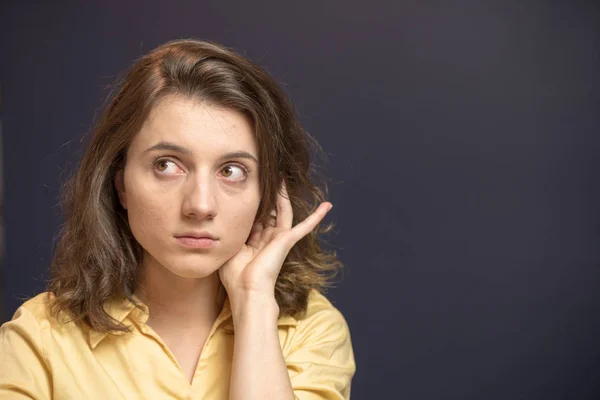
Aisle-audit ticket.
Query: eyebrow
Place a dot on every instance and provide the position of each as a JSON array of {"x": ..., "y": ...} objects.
[{"x": 179, "y": 149}]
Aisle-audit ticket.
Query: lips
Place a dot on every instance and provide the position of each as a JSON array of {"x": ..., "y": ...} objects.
[
  {"x": 197, "y": 235},
  {"x": 197, "y": 240}
]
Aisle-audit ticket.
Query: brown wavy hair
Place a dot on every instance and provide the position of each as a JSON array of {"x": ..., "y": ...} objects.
[{"x": 97, "y": 257}]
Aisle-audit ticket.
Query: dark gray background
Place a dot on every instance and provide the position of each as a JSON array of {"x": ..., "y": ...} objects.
[{"x": 463, "y": 141}]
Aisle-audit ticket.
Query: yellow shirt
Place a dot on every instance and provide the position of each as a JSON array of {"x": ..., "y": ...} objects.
[{"x": 42, "y": 359}]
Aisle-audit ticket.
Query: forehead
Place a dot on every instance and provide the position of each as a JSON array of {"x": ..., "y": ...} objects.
[{"x": 201, "y": 127}]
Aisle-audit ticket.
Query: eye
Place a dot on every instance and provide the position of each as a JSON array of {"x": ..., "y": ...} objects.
[
  {"x": 165, "y": 166},
  {"x": 234, "y": 172}
]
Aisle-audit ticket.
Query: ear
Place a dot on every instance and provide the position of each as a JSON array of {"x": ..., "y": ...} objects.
[{"x": 120, "y": 186}]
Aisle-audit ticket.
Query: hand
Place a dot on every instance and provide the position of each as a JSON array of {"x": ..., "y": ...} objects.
[{"x": 255, "y": 267}]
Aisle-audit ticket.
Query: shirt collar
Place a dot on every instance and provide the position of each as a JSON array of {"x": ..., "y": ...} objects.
[{"x": 121, "y": 309}]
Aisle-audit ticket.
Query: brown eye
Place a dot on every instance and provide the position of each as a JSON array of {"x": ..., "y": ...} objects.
[
  {"x": 234, "y": 173},
  {"x": 227, "y": 172},
  {"x": 161, "y": 164}
]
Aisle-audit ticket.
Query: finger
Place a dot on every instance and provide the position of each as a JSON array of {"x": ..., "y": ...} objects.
[
  {"x": 258, "y": 227},
  {"x": 266, "y": 236},
  {"x": 305, "y": 227},
  {"x": 272, "y": 219},
  {"x": 254, "y": 239},
  {"x": 285, "y": 213}
]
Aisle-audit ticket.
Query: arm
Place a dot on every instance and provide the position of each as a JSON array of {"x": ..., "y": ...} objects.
[
  {"x": 23, "y": 370},
  {"x": 319, "y": 364},
  {"x": 259, "y": 370}
]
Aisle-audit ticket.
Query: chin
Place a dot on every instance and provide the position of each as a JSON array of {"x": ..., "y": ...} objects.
[
  {"x": 194, "y": 271},
  {"x": 188, "y": 265}
]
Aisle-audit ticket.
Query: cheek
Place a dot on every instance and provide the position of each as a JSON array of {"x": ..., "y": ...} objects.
[
  {"x": 242, "y": 218},
  {"x": 147, "y": 215}
]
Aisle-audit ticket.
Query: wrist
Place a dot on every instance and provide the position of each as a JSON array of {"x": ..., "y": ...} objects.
[{"x": 254, "y": 305}]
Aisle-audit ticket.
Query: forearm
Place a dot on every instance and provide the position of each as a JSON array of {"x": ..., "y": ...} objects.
[{"x": 259, "y": 370}]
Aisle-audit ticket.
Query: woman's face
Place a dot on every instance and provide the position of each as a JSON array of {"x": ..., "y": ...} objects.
[{"x": 192, "y": 170}]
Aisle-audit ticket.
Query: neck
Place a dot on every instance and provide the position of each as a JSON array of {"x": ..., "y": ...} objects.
[{"x": 179, "y": 302}]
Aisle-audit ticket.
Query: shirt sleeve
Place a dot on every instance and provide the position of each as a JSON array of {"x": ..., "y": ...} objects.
[
  {"x": 321, "y": 362},
  {"x": 24, "y": 371}
]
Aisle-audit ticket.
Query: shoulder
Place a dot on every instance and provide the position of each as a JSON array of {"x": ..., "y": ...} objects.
[
  {"x": 319, "y": 307},
  {"x": 35, "y": 314},
  {"x": 24, "y": 335},
  {"x": 35, "y": 310},
  {"x": 321, "y": 321},
  {"x": 25, "y": 366},
  {"x": 320, "y": 357},
  {"x": 38, "y": 307}
]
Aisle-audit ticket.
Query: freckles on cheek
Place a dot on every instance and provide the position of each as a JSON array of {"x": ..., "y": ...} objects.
[
  {"x": 151, "y": 215},
  {"x": 242, "y": 222}
]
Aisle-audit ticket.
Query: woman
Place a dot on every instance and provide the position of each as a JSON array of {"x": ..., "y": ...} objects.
[{"x": 188, "y": 266}]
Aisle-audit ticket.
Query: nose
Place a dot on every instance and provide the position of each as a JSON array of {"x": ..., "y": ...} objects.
[{"x": 200, "y": 200}]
